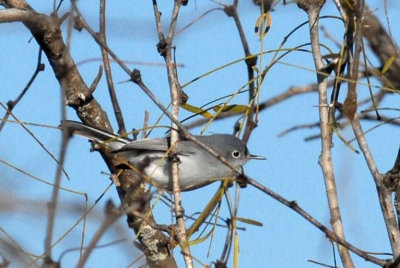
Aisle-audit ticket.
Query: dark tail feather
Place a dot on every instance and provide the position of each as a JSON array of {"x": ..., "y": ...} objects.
[{"x": 91, "y": 132}]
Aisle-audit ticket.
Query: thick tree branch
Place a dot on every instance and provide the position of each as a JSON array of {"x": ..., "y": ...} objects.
[{"x": 46, "y": 30}]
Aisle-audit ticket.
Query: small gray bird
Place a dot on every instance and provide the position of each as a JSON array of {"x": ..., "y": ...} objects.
[{"x": 197, "y": 167}]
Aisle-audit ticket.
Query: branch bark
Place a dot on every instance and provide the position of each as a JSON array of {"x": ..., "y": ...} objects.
[
  {"x": 165, "y": 49},
  {"x": 46, "y": 31},
  {"x": 313, "y": 8}
]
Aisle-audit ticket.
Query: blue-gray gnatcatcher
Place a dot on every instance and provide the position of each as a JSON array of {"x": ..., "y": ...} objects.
[{"x": 197, "y": 167}]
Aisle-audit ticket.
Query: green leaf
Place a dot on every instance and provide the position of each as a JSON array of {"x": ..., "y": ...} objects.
[
  {"x": 248, "y": 221},
  {"x": 387, "y": 64},
  {"x": 196, "y": 110},
  {"x": 236, "y": 250},
  {"x": 233, "y": 109},
  {"x": 201, "y": 239},
  {"x": 206, "y": 211}
]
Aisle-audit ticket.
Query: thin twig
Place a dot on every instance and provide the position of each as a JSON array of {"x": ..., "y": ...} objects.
[
  {"x": 231, "y": 11},
  {"x": 22, "y": 124},
  {"x": 111, "y": 215},
  {"x": 196, "y": 20},
  {"x": 145, "y": 124},
  {"x": 52, "y": 206},
  {"x": 12, "y": 104},
  {"x": 107, "y": 69}
]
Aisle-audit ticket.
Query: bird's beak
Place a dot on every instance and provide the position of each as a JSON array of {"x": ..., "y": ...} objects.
[{"x": 257, "y": 157}]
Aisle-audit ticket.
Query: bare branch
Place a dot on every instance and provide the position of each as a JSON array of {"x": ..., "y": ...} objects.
[
  {"x": 165, "y": 48},
  {"x": 385, "y": 195},
  {"x": 329, "y": 234},
  {"x": 313, "y": 8},
  {"x": 107, "y": 68}
]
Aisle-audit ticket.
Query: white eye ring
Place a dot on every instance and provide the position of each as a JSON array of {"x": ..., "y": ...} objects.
[{"x": 235, "y": 154}]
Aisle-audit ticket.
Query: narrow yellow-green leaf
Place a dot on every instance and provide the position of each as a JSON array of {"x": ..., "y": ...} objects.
[
  {"x": 387, "y": 64},
  {"x": 350, "y": 4},
  {"x": 234, "y": 108},
  {"x": 348, "y": 145},
  {"x": 206, "y": 211},
  {"x": 236, "y": 250},
  {"x": 248, "y": 221},
  {"x": 201, "y": 239},
  {"x": 196, "y": 110}
]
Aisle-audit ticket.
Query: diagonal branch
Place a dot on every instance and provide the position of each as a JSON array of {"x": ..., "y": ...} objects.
[{"x": 332, "y": 236}]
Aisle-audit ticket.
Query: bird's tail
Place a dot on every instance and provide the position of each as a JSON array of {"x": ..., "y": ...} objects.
[{"x": 91, "y": 132}]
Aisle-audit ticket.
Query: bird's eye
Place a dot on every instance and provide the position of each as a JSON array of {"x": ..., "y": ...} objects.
[{"x": 235, "y": 154}]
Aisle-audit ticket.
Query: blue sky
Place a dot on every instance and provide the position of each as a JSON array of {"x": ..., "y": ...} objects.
[{"x": 286, "y": 239}]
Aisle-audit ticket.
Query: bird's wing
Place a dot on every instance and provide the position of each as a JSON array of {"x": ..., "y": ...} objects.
[{"x": 159, "y": 145}]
